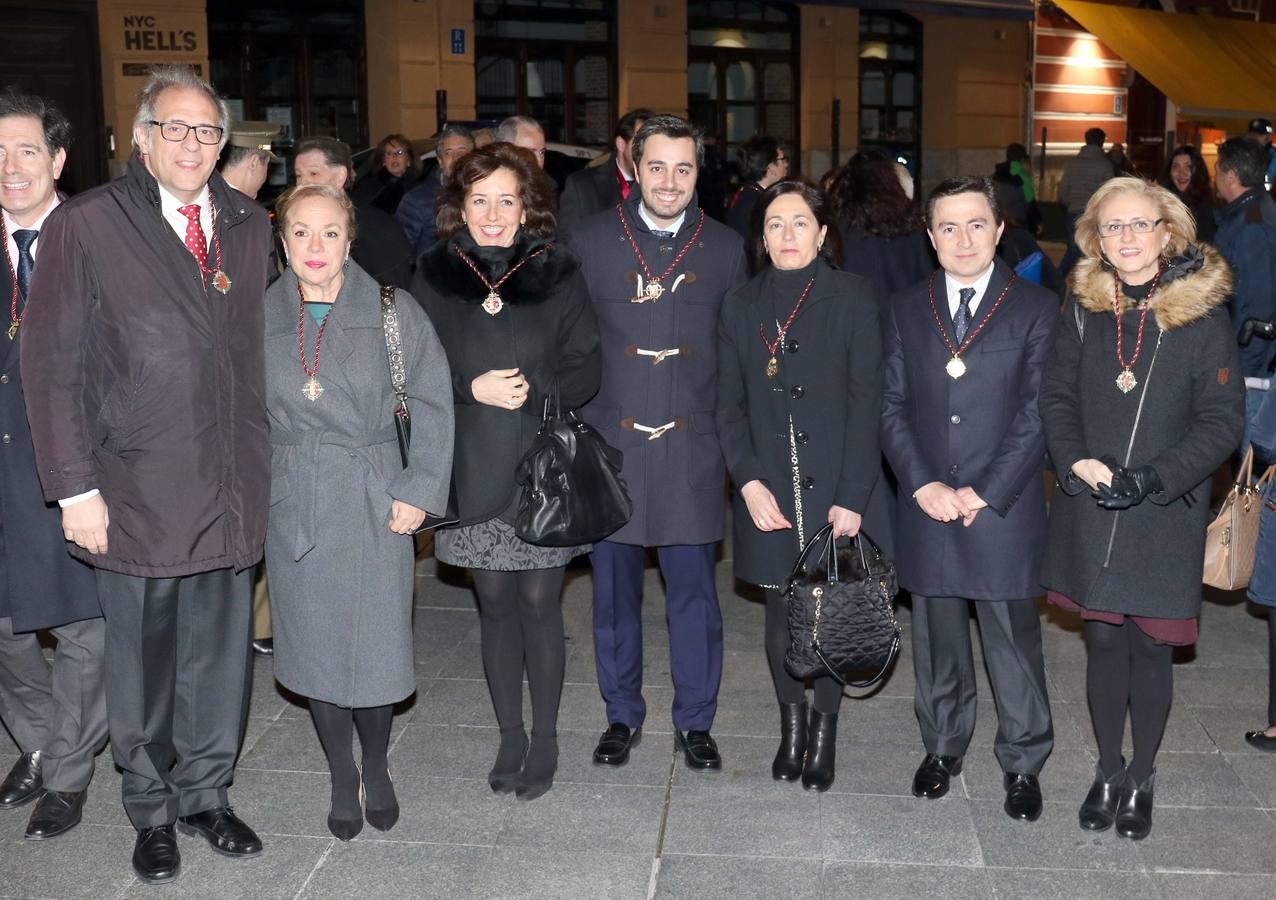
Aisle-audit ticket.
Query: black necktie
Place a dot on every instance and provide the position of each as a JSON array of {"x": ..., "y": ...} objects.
[
  {"x": 663, "y": 235},
  {"x": 961, "y": 321},
  {"x": 24, "y": 238}
]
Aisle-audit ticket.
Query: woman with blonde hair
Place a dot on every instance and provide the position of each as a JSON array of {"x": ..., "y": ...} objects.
[{"x": 1141, "y": 402}]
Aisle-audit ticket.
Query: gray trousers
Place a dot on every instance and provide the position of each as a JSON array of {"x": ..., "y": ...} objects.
[
  {"x": 176, "y": 686},
  {"x": 943, "y": 663},
  {"x": 58, "y": 709}
]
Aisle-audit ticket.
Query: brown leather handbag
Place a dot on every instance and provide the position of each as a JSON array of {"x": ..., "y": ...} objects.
[{"x": 1231, "y": 539}]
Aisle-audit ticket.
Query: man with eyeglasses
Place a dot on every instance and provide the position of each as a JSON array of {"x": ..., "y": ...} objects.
[
  {"x": 764, "y": 162},
  {"x": 143, "y": 363},
  {"x": 1246, "y": 237}
]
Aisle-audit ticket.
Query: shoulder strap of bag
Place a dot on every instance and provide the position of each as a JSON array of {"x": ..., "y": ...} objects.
[
  {"x": 393, "y": 343},
  {"x": 1079, "y": 315}
]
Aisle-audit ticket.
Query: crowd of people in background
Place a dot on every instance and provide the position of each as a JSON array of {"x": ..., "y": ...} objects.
[{"x": 191, "y": 384}]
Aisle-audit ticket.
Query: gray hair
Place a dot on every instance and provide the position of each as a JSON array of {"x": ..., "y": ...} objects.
[
  {"x": 508, "y": 130},
  {"x": 454, "y": 129},
  {"x": 53, "y": 123},
  {"x": 164, "y": 77}
]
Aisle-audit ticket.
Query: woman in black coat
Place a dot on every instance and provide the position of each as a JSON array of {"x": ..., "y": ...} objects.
[
  {"x": 1187, "y": 178},
  {"x": 1139, "y": 409},
  {"x": 798, "y": 408},
  {"x": 883, "y": 235},
  {"x": 513, "y": 313}
]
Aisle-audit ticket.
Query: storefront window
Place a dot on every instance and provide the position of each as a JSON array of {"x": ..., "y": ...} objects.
[
  {"x": 742, "y": 56},
  {"x": 549, "y": 59}
]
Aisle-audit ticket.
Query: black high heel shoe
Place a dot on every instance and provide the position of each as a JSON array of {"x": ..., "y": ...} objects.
[
  {"x": 346, "y": 820},
  {"x": 1098, "y": 810},
  {"x": 1261, "y": 740},
  {"x": 383, "y": 816},
  {"x": 509, "y": 760},
  {"x": 537, "y": 775}
]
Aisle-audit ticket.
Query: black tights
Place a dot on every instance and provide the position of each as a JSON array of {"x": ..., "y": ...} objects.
[
  {"x": 336, "y": 725},
  {"x": 521, "y": 624},
  {"x": 1271, "y": 667},
  {"x": 828, "y": 692},
  {"x": 1125, "y": 667}
]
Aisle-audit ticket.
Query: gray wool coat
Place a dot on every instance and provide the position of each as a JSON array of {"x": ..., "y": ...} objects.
[
  {"x": 1146, "y": 560},
  {"x": 340, "y": 580}
]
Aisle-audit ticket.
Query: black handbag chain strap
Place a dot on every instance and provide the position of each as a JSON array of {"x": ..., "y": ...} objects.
[
  {"x": 825, "y": 535},
  {"x": 394, "y": 345}
]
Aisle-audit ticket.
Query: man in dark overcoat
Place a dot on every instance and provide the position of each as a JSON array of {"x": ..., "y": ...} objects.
[
  {"x": 142, "y": 360},
  {"x": 965, "y": 351},
  {"x": 597, "y": 188},
  {"x": 56, "y": 713},
  {"x": 657, "y": 270}
]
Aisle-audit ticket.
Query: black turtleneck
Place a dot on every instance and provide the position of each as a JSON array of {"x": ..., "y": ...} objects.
[
  {"x": 494, "y": 261},
  {"x": 784, "y": 286}
]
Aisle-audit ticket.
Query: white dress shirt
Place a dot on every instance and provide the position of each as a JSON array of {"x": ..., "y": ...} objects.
[
  {"x": 650, "y": 223},
  {"x": 169, "y": 206},
  {"x": 10, "y": 226},
  {"x": 954, "y": 292}
]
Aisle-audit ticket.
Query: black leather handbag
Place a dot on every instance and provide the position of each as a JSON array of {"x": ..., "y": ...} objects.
[
  {"x": 838, "y": 626},
  {"x": 402, "y": 418},
  {"x": 572, "y": 492}
]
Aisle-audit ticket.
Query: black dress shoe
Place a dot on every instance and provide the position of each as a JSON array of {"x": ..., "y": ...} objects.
[
  {"x": 1098, "y": 810},
  {"x": 1023, "y": 797},
  {"x": 156, "y": 859},
  {"x": 225, "y": 832},
  {"x": 264, "y": 647},
  {"x": 931, "y": 780},
  {"x": 821, "y": 743},
  {"x": 55, "y": 813},
  {"x": 787, "y": 765},
  {"x": 699, "y": 749},
  {"x": 614, "y": 745},
  {"x": 1260, "y": 740},
  {"x": 23, "y": 783},
  {"x": 1134, "y": 809}
]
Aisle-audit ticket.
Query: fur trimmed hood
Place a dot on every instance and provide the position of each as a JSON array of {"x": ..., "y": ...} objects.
[
  {"x": 1192, "y": 286},
  {"x": 535, "y": 281}
]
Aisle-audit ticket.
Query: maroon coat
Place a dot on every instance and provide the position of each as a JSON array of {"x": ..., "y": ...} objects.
[{"x": 148, "y": 386}]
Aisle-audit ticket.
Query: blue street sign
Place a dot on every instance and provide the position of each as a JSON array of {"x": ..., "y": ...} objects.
[{"x": 458, "y": 41}]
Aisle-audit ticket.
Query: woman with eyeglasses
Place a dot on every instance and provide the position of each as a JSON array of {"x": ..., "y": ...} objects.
[
  {"x": 393, "y": 173},
  {"x": 1142, "y": 401}
]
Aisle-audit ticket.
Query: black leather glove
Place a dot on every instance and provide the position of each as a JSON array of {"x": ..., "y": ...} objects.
[{"x": 1129, "y": 487}]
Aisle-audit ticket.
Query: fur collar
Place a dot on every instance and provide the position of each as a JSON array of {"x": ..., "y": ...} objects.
[
  {"x": 537, "y": 280},
  {"x": 1192, "y": 286}
]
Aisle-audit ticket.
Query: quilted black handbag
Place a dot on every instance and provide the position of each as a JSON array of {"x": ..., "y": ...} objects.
[
  {"x": 572, "y": 492},
  {"x": 838, "y": 626}
]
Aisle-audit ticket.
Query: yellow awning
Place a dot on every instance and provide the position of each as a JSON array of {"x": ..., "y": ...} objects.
[{"x": 1207, "y": 66}]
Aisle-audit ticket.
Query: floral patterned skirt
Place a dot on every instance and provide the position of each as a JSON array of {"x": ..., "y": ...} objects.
[{"x": 493, "y": 545}]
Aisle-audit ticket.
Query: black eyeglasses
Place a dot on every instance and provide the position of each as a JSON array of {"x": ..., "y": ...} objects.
[
  {"x": 781, "y": 159},
  {"x": 177, "y": 131}
]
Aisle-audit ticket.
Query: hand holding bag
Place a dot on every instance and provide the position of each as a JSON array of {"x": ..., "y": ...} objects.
[
  {"x": 1232, "y": 538},
  {"x": 399, "y": 381},
  {"x": 838, "y": 626},
  {"x": 572, "y": 490}
]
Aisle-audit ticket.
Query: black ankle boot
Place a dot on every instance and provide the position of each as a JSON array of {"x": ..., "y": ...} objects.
[
  {"x": 1098, "y": 810},
  {"x": 788, "y": 759},
  {"x": 509, "y": 760},
  {"x": 1134, "y": 809},
  {"x": 821, "y": 751}
]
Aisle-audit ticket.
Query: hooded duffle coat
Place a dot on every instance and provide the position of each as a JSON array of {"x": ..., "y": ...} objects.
[
  {"x": 823, "y": 407},
  {"x": 340, "y": 579},
  {"x": 146, "y": 383},
  {"x": 1146, "y": 560},
  {"x": 675, "y": 479}
]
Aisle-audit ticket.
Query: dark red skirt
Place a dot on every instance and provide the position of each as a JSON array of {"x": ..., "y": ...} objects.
[{"x": 1175, "y": 632}]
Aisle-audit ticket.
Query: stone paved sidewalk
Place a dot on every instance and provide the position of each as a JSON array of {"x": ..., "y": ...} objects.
[{"x": 656, "y": 829}]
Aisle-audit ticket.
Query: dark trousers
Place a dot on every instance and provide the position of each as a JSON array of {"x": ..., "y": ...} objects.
[
  {"x": 943, "y": 663},
  {"x": 58, "y": 709},
  {"x": 177, "y": 678},
  {"x": 695, "y": 631}
]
